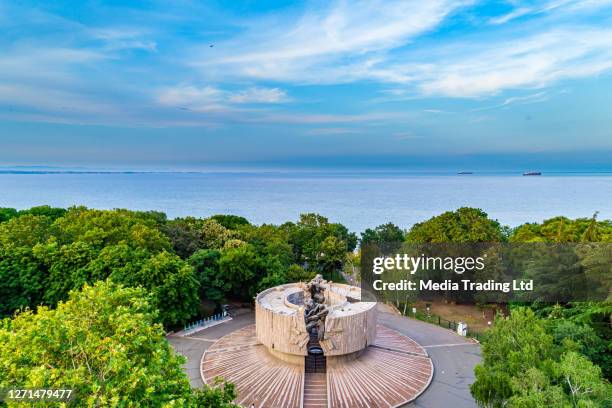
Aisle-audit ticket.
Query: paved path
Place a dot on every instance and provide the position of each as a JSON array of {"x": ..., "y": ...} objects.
[
  {"x": 454, "y": 357},
  {"x": 193, "y": 347}
]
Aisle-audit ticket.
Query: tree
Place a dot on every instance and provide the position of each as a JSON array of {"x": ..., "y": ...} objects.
[
  {"x": 522, "y": 367},
  {"x": 219, "y": 395},
  {"x": 7, "y": 213},
  {"x": 103, "y": 342},
  {"x": 213, "y": 285},
  {"x": 185, "y": 234},
  {"x": 384, "y": 234},
  {"x": 582, "y": 381},
  {"x": 25, "y": 231},
  {"x": 241, "y": 268},
  {"x": 295, "y": 273},
  {"x": 331, "y": 256},
  {"x": 463, "y": 226},
  {"x": 108, "y": 227},
  {"x": 534, "y": 389},
  {"x": 316, "y": 241},
  {"x": 231, "y": 222},
  {"x": 214, "y": 235},
  {"x": 42, "y": 260},
  {"x": 22, "y": 280},
  {"x": 563, "y": 229},
  {"x": 52, "y": 212},
  {"x": 172, "y": 284},
  {"x": 513, "y": 346}
]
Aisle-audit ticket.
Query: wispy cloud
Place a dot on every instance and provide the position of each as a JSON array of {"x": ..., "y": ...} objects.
[
  {"x": 210, "y": 98},
  {"x": 518, "y": 100},
  {"x": 396, "y": 49},
  {"x": 332, "y": 131},
  {"x": 528, "y": 62},
  {"x": 123, "y": 38},
  {"x": 378, "y": 41},
  {"x": 337, "y": 43},
  {"x": 530, "y": 8},
  {"x": 259, "y": 95}
]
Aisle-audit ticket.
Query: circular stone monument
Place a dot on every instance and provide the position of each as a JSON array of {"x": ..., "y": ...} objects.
[{"x": 318, "y": 344}]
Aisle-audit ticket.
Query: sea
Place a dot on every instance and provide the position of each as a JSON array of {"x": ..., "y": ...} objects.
[{"x": 359, "y": 200}]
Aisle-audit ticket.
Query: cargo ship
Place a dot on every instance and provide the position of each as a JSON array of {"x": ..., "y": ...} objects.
[{"x": 532, "y": 173}]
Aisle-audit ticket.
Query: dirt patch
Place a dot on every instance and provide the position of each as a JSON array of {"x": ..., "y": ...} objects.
[{"x": 476, "y": 317}]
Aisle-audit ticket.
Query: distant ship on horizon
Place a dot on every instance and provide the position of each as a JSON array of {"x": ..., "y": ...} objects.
[
  {"x": 465, "y": 172},
  {"x": 532, "y": 173}
]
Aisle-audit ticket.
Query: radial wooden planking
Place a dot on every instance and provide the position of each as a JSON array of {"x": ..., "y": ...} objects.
[
  {"x": 390, "y": 339},
  {"x": 379, "y": 378},
  {"x": 390, "y": 373},
  {"x": 260, "y": 378}
]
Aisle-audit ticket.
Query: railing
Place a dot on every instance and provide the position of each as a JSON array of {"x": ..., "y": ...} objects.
[{"x": 203, "y": 323}]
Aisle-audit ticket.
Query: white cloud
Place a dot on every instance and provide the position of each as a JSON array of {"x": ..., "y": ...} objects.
[
  {"x": 123, "y": 38},
  {"x": 209, "y": 98},
  {"x": 516, "y": 13},
  {"x": 189, "y": 96},
  {"x": 327, "y": 44},
  {"x": 332, "y": 131},
  {"x": 531, "y": 8},
  {"x": 378, "y": 41},
  {"x": 518, "y": 100},
  {"x": 540, "y": 7},
  {"x": 259, "y": 95},
  {"x": 530, "y": 62},
  {"x": 533, "y": 98},
  {"x": 303, "y": 118}
]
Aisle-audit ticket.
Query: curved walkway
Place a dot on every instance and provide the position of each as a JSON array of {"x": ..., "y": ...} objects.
[
  {"x": 389, "y": 373},
  {"x": 453, "y": 356}
]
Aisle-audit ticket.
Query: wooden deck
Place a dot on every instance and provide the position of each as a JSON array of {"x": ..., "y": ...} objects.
[
  {"x": 260, "y": 378},
  {"x": 390, "y": 373}
]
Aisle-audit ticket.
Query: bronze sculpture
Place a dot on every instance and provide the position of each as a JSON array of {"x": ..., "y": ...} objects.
[{"x": 315, "y": 309}]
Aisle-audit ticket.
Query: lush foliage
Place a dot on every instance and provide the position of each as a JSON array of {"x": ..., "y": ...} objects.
[
  {"x": 524, "y": 366},
  {"x": 157, "y": 270},
  {"x": 562, "y": 229},
  {"x": 528, "y": 357},
  {"x": 47, "y": 252},
  {"x": 464, "y": 225},
  {"x": 105, "y": 345}
]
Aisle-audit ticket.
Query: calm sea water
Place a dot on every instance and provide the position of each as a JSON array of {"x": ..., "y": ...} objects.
[{"x": 357, "y": 200}]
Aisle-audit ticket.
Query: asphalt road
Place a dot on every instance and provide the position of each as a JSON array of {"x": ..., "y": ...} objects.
[
  {"x": 193, "y": 347},
  {"x": 454, "y": 357}
]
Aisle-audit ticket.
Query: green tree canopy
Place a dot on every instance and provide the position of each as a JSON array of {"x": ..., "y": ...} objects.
[
  {"x": 464, "y": 225},
  {"x": 385, "y": 233},
  {"x": 42, "y": 259},
  {"x": 522, "y": 367},
  {"x": 102, "y": 342},
  {"x": 105, "y": 344},
  {"x": 563, "y": 229},
  {"x": 230, "y": 221},
  {"x": 7, "y": 213}
]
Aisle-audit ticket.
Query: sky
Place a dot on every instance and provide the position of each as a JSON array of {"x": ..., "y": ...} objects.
[{"x": 216, "y": 84}]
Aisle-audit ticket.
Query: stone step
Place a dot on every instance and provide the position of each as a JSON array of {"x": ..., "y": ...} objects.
[{"x": 315, "y": 390}]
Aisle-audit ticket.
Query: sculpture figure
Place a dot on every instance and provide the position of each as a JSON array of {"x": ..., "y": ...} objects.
[{"x": 315, "y": 310}]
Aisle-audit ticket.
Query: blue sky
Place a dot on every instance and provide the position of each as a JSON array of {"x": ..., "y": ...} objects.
[{"x": 270, "y": 83}]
